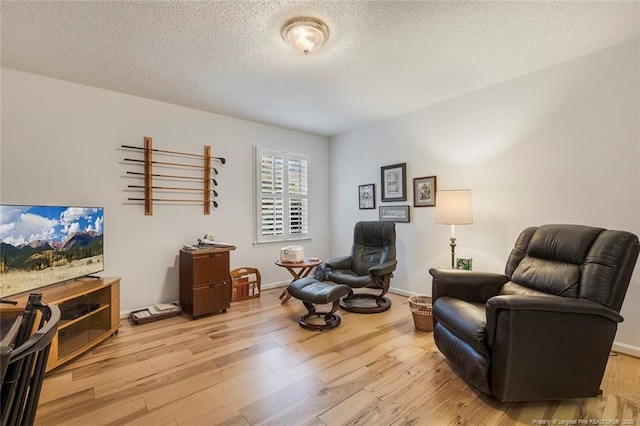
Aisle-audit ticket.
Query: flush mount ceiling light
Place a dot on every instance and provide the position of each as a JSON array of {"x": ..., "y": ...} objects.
[{"x": 305, "y": 34}]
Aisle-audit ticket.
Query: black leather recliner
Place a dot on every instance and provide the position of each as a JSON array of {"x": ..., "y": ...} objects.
[
  {"x": 543, "y": 330},
  {"x": 370, "y": 265}
]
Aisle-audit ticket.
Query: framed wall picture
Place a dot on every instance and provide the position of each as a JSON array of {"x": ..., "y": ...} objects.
[
  {"x": 367, "y": 196},
  {"x": 394, "y": 182},
  {"x": 394, "y": 213},
  {"x": 424, "y": 191},
  {"x": 466, "y": 264}
]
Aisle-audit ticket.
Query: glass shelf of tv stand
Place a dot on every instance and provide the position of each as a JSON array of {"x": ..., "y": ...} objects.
[
  {"x": 90, "y": 323},
  {"x": 67, "y": 323}
]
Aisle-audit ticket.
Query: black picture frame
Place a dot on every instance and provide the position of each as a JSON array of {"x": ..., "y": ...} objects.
[
  {"x": 367, "y": 196},
  {"x": 399, "y": 214},
  {"x": 424, "y": 191},
  {"x": 393, "y": 181}
]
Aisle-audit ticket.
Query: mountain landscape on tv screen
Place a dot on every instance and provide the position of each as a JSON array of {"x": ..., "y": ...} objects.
[{"x": 45, "y": 245}]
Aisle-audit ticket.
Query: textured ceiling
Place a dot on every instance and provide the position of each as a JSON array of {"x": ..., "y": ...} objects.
[{"x": 382, "y": 59}]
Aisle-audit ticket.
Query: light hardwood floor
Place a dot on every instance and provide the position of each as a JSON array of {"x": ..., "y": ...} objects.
[{"x": 255, "y": 365}]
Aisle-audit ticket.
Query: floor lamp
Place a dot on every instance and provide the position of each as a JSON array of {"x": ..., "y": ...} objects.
[{"x": 454, "y": 208}]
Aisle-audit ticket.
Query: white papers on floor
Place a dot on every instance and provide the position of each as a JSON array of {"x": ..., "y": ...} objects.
[
  {"x": 142, "y": 314},
  {"x": 158, "y": 308},
  {"x": 161, "y": 308}
]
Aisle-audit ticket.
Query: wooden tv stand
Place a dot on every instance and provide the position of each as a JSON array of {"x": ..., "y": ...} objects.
[{"x": 82, "y": 329}]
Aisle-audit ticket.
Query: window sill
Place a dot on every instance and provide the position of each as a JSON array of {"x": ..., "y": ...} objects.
[{"x": 279, "y": 242}]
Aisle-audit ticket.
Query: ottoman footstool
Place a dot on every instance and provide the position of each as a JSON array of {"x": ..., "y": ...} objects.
[{"x": 311, "y": 291}]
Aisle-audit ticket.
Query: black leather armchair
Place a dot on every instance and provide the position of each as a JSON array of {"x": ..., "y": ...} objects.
[
  {"x": 543, "y": 330},
  {"x": 370, "y": 265}
]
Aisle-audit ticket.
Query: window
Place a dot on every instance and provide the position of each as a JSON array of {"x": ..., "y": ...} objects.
[{"x": 282, "y": 197}]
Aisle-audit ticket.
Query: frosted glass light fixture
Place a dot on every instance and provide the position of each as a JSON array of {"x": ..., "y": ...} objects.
[
  {"x": 454, "y": 208},
  {"x": 305, "y": 34}
]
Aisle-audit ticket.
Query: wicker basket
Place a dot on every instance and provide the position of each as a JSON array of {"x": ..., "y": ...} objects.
[{"x": 422, "y": 312}]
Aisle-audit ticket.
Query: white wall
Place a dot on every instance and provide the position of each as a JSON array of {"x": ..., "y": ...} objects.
[
  {"x": 61, "y": 145},
  {"x": 561, "y": 145}
]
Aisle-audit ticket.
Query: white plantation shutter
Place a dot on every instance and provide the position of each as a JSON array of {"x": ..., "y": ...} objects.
[
  {"x": 271, "y": 200},
  {"x": 272, "y": 216},
  {"x": 281, "y": 195},
  {"x": 298, "y": 203}
]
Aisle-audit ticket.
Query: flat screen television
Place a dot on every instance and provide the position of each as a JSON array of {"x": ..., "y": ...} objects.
[{"x": 44, "y": 245}]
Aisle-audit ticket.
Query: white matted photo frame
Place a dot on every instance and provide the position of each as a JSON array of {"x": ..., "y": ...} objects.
[
  {"x": 367, "y": 196},
  {"x": 393, "y": 214},
  {"x": 394, "y": 182},
  {"x": 424, "y": 191}
]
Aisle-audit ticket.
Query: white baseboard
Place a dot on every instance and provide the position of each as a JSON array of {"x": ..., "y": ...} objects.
[
  {"x": 626, "y": 349},
  {"x": 275, "y": 285},
  {"x": 402, "y": 292}
]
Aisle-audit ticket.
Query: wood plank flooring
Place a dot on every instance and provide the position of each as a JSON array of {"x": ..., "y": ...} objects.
[{"x": 255, "y": 366}]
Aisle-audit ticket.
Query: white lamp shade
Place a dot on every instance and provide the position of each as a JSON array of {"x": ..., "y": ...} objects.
[
  {"x": 305, "y": 34},
  {"x": 454, "y": 207}
]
